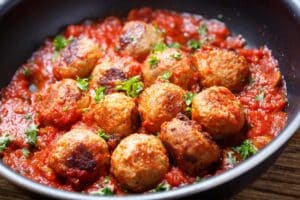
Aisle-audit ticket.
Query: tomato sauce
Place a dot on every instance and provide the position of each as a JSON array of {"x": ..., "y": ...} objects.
[{"x": 263, "y": 98}]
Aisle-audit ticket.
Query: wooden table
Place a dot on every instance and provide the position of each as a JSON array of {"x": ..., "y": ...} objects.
[{"x": 280, "y": 182}]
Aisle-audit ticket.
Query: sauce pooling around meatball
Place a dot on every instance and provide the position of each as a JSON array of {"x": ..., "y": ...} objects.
[{"x": 148, "y": 103}]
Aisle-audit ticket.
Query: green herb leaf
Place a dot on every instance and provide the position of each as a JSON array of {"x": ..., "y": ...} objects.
[
  {"x": 163, "y": 186},
  {"x": 176, "y": 56},
  {"x": 198, "y": 179},
  {"x": 202, "y": 30},
  {"x": 246, "y": 149},
  {"x": 175, "y": 45},
  {"x": 31, "y": 134},
  {"x": 28, "y": 117},
  {"x": 159, "y": 47},
  {"x": 166, "y": 76},
  {"x": 102, "y": 134},
  {"x": 153, "y": 61},
  {"x": 194, "y": 44},
  {"x": 261, "y": 96},
  {"x": 133, "y": 86},
  {"x": 60, "y": 42},
  {"x": 106, "y": 191},
  {"x": 99, "y": 93},
  {"x": 188, "y": 98},
  {"x": 25, "y": 152},
  {"x": 106, "y": 180},
  {"x": 4, "y": 142},
  {"x": 83, "y": 83},
  {"x": 230, "y": 158},
  {"x": 27, "y": 72}
]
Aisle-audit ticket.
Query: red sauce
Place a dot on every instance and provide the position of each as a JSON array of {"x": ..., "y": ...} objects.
[{"x": 266, "y": 117}]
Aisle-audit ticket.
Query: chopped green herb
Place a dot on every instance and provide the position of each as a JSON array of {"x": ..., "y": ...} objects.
[
  {"x": 83, "y": 83},
  {"x": 4, "y": 142},
  {"x": 194, "y": 44},
  {"x": 25, "y": 152},
  {"x": 198, "y": 179},
  {"x": 28, "y": 117},
  {"x": 54, "y": 56},
  {"x": 99, "y": 93},
  {"x": 160, "y": 30},
  {"x": 175, "y": 45},
  {"x": 162, "y": 187},
  {"x": 159, "y": 47},
  {"x": 230, "y": 158},
  {"x": 176, "y": 56},
  {"x": 85, "y": 109},
  {"x": 153, "y": 61},
  {"x": 133, "y": 86},
  {"x": 31, "y": 134},
  {"x": 102, "y": 134},
  {"x": 166, "y": 76},
  {"x": 261, "y": 96},
  {"x": 27, "y": 72},
  {"x": 106, "y": 191},
  {"x": 246, "y": 149},
  {"x": 106, "y": 180},
  {"x": 60, "y": 42},
  {"x": 202, "y": 30},
  {"x": 65, "y": 108},
  {"x": 251, "y": 80},
  {"x": 188, "y": 98}
]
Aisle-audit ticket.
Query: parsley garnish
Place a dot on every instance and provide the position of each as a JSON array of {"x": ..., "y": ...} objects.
[
  {"x": 106, "y": 191},
  {"x": 4, "y": 142},
  {"x": 28, "y": 117},
  {"x": 60, "y": 42},
  {"x": 166, "y": 76},
  {"x": 246, "y": 149},
  {"x": 174, "y": 45},
  {"x": 99, "y": 93},
  {"x": 202, "y": 30},
  {"x": 26, "y": 72},
  {"x": 194, "y": 44},
  {"x": 31, "y": 134},
  {"x": 25, "y": 152},
  {"x": 159, "y": 47},
  {"x": 230, "y": 158},
  {"x": 153, "y": 61},
  {"x": 102, "y": 134},
  {"x": 162, "y": 187},
  {"x": 188, "y": 98},
  {"x": 261, "y": 96},
  {"x": 82, "y": 83},
  {"x": 176, "y": 56},
  {"x": 133, "y": 86}
]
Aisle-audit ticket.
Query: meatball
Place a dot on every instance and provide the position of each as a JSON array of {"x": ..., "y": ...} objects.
[
  {"x": 114, "y": 69},
  {"x": 77, "y": 59},
  {"x": 192, "y": 149},
  {"x": 138, "y": 38},
  {"x": 218, "y": 111},
  {"x": 139, "y": 162},
  {"x": 159, "y": 103},
  {"x": 173, "y": 61},
  {"x": 220, "y": 67},
  {"x": 60, "y": 104},
  {"x": 80, "y": 156},
  {"x": 116, "y": 115}
]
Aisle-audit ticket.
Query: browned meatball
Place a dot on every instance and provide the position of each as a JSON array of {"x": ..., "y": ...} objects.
[
  {"x": 60, "y": 104},
  {"x": 116, "y": 115},
  {"x": 218, "y": 111},
  {"x": 80, "y": 156},
  {"x": 173, "y": 61},
  {"x": 77, "y": 59},
  {"x": 220, "y": 67},
  {"x": 138, "y": 38},
  {"x": 159, "y": 103},
  {"x": 139, "y": 162},
  {"x": 192, "y": 149}
]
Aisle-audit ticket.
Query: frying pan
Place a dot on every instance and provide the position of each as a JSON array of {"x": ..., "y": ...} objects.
[{"x": 25, "y": 24}]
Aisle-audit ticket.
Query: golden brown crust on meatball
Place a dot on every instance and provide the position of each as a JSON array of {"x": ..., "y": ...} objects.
[
  {"x": 192, "y": 149},
  {"x": 60, "y": 104},
  {"x": 138, "y": 38},
  {"x": 173, "y": 61},
  {"x": 218, "y": 111},
  {"x": 139, "y": 162},
  {"x": 80, "y": 156},
  {"x": 77, "y": 59},
  {"x": 159, "y": 103},
  {"x": 220, "y": 67},
  {"x": 116, "y": 115}
]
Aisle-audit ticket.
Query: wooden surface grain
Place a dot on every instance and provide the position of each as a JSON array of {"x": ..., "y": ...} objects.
[{"x": 280, "y": 182}]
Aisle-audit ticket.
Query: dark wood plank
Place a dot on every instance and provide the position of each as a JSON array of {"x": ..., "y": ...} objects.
[{"x": 280, "y": 182}]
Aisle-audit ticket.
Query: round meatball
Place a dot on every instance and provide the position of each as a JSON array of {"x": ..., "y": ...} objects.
[
  {"x": 138, "y": 38},
  {"x": 173, "y": 61},
  {"x": 116, "y": 115},
  {"x": 192, "y": 149},
  {"x": 60, "y": 104},
  {"x": 111, "y": 70},
  {"x": 80, "y": 156},
  {"x": 218, "y": 111},
  {"x": 159, "y": 103},
  {"x": 220, "y": 67},
  {"x": 139, "y": 162},
  {"x": 77, "y": 59}
]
